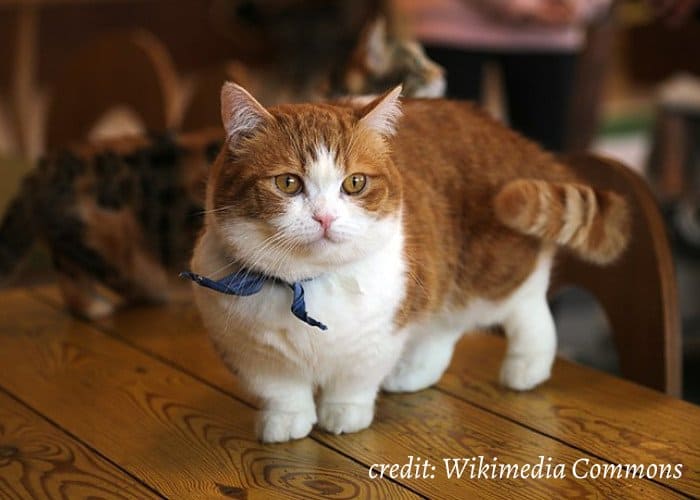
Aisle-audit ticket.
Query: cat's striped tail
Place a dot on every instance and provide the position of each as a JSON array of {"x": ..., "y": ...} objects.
[
  {"x": 16, "y": 233},
  {"x": 594, "y": 224}
]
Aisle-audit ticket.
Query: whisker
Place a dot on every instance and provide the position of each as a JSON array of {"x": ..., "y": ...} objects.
[{"x": 214, "y": 210}]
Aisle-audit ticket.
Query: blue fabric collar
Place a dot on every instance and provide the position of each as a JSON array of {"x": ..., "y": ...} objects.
[{"x": 246, "y": 282}]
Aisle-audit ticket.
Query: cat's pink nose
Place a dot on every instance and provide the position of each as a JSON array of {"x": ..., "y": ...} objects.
[{"x": 325, "y": 220}]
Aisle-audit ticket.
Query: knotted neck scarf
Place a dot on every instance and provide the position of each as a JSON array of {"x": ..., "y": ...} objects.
[{"x": 246, "y": 282}]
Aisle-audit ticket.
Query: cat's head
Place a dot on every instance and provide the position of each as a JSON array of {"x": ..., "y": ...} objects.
[
  {"x": 299, "y": 189},
  {"x": 382, "y": 60}
]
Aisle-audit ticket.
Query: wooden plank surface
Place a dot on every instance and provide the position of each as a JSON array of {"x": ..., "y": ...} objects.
[
  {"x": 176, "y": 434},
  {"x": 606, "y": 416},
  {"x": 429, "y": 424},
  {"x": 37, "y": 460}
]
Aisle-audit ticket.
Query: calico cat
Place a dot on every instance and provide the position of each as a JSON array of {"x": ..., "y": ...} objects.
[
  {"x": 390, "y": 236},
  {"x": 123, "y": 214},
  {"x": 381, "y": 59},
  {"x": 311, "y": 49}
]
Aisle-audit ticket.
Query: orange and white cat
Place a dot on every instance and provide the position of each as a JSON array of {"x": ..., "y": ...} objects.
[{"x": 407, "y": 223}]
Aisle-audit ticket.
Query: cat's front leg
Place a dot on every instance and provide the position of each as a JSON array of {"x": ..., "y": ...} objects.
[
  {"x": 348, "y": 393},
  {"x": 347, "y": 405},
  {"x": 288, "y": 410},
  {"x": 532, "y": 344},
  {"x": 346, "y": 400}
]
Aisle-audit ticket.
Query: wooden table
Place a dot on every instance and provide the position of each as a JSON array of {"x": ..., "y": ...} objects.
[{"x": 139, "y": 406}]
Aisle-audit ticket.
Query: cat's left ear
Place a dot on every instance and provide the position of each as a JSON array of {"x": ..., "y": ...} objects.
[
  {"x": 382, "y": 113},
  {"x": 240, "y": 112}
]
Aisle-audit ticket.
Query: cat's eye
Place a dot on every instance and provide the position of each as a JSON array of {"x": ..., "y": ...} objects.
[
  {"x": 355, "y": 183},
  {"x": 288, "y": 183}
]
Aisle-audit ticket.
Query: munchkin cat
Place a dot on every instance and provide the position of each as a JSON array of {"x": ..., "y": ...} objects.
[{"x": 354, "y": 243}]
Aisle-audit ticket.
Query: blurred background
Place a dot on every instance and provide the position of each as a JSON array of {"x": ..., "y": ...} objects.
[{"x": 619, "y": 78}]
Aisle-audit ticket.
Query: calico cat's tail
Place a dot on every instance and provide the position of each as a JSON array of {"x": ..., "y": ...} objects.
[
  {"x": 16, "y": 232},
  {"x": 594, "y": 224}
]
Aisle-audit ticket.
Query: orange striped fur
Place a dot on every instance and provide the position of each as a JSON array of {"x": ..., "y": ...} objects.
[{"x": 594, "y": 224}]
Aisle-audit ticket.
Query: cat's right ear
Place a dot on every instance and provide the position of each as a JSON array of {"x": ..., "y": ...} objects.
[
  {"x": 240, "y": 112},
  {"x": 383, "y": 112}
]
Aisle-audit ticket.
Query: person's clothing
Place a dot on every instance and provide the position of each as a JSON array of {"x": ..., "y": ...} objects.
[
  {"x": 470, "y": 24},
  {"x": 537, "y": 87}
]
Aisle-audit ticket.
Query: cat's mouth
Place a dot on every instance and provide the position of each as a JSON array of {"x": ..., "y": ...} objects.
[{"x": 324, "y": 238}]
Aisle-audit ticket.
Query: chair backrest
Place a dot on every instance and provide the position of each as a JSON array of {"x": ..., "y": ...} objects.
[
  {"x": 638, "y": 292},
  {"x": 131, "y": 68},
  {"x": 202, "y": 109}
]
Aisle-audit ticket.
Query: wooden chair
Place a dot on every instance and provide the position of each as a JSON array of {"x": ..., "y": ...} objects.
[
  {"x": 202, "y": 109},
  {"x": 638, "y": 293},
  {"x": 133, "y": 69}
]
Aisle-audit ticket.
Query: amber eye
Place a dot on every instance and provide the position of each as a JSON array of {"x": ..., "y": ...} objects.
[
  {"x": 288, "y": 183},
  {"x": 354, "y": 183}
]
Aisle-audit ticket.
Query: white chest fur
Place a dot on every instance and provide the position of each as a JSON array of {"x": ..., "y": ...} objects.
[{"x": 357, "y": 302}]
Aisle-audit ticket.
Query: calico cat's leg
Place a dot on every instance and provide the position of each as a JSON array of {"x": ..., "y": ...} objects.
[
  {"x": 145, "y": 280},
  {"x": 113, "y": 248},
  {"x": 532, "y": 344},
  {"x": 425, "y": 358},
  {"x": 81, "y": 297}
]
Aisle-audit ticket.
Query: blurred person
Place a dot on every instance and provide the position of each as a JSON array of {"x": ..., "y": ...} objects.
[{"x": 535, "y": 42}]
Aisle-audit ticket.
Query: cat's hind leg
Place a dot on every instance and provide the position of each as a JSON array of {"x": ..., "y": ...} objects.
[
  {"x": 532, "y": 344},
  {"x": 425, "y": 358}
]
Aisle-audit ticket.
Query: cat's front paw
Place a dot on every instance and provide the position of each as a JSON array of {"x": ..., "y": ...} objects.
[
  {"x": 338, "y": 418},
  {"x": 279, "y": 426},
  {"x": 524, "y": 372}
]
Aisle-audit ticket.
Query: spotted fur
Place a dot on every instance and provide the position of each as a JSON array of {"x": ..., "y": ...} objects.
[
  {"x": 122, "y": 214},
  {"x": 383, "y": 59}
]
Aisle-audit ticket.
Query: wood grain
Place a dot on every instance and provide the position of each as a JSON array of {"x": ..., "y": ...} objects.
[
  {"x": 638, "y": 292},
  {"x": 179, "y": 436},
  {"x": 429, "y": 424},
  {"x": 604, "y": 415},
  {"x": 37, "y": 460},
  {"x": 434, "y": 425}
]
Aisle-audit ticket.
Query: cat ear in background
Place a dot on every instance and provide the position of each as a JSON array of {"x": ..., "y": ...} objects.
[
  {"x": 369, "y": 57},
  {"x": 382, "y": 113},
  {"x": 240, "y": 112},
  {"x": 376, "y": 54}
]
